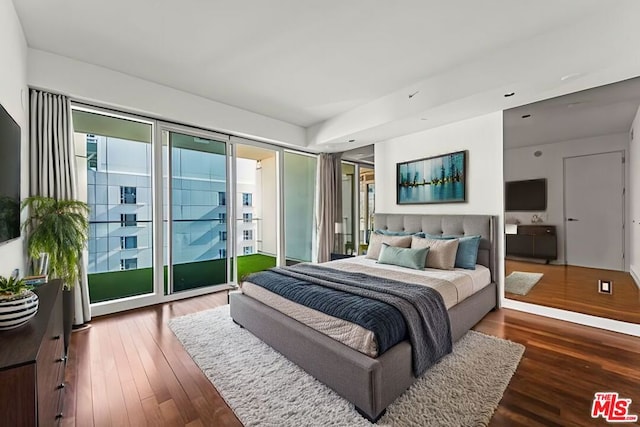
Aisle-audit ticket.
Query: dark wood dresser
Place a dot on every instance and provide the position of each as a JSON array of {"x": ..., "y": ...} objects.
[
  {"x": 533, "y": 241},
  {"x": 32, "y": 365}
]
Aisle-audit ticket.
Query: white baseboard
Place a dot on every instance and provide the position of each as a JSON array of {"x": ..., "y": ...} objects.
[
  {"x": 635, "y": 275},
  {"x": 138, "y": 301},
  {"x": 570, "y": 316}
]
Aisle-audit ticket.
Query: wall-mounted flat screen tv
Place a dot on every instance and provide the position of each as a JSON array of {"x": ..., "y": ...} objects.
[
  {"x": 529, "y": 195},
  {"x": 9, "y": 177}
]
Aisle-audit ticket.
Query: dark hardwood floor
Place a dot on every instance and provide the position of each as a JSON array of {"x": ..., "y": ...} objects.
[
  {"x": 576, "y": 289},
  {"x": 130, "y": 370}
]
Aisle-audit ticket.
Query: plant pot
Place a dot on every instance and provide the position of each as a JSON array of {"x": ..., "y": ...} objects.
[
  {"x": 17, "y": 311},
  {"x": 68, "y": 314}
]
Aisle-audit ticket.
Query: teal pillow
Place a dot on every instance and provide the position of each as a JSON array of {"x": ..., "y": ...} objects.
[
  {"x": 398, "y": 233},
  {"x": 403, "y": 257},
  {"x": 467, "y": 254}
]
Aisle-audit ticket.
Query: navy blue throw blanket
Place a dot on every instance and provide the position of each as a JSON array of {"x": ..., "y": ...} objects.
[{"x": 390, "y": 309}]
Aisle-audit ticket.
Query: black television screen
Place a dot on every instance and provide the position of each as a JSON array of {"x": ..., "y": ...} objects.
[
  {"x": 530, "y": 195},
  {"x": 9, "y": 177}
]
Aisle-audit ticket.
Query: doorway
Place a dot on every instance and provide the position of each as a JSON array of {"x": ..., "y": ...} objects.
[
  {"x": 580, "y": 144},
  {"x": 256, "y": 209}
]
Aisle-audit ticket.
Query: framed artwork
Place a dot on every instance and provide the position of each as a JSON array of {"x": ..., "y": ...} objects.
[{"x": 438, "y": 179}]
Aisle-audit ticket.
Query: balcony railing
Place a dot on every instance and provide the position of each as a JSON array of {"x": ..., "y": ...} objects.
[{"x": 114, "y": 285}]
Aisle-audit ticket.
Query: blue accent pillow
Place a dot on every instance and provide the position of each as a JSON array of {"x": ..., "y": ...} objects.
[
  {"x": 398, "y": 233},
  {"x": 403, "y": 257},
  {"x": 467, "y": 254}
]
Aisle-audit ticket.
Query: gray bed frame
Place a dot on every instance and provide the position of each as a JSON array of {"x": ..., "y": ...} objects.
[{"x": 371, "y": 384}]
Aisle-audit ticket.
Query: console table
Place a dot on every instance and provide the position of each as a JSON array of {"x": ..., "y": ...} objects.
[
  {"x": 533, "y": 241},
  {"x": 32, "y": 365}
]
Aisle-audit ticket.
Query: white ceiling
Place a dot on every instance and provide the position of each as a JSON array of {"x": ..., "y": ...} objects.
[
  {"x": 599, "y": 111},
  {"x": 363, "y": 154},
  {"x": 323, "y": 63}
]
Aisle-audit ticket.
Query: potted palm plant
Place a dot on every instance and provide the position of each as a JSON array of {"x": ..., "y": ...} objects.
[
  {"x": 58, "y": 228},
  {"x": 17, "y": 303}
]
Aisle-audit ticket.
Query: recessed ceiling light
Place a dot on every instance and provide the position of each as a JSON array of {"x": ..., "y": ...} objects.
[
  {"x": 526, "y": 116},
  {"x": 507, "y": 95},
  {"x": 570, "y": 76}
]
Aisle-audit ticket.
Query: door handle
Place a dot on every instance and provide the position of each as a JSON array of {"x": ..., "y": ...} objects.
[{"x": 572, "y": 219}]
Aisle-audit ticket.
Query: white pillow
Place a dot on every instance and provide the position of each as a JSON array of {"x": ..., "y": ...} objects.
[
  {"x": 376, "y": 241},
  {"x": 442, "y": 253}
]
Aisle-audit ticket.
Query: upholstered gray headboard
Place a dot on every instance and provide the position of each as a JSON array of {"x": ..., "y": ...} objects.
[{"x": 450, "y": 225}]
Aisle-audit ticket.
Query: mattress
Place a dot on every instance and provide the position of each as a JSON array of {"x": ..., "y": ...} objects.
[{"x": 454, "y": 286}]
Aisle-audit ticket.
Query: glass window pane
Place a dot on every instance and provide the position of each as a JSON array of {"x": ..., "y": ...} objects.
[
  {"x": 128, "y": 195},
  {"x": 299, "y": 206},
  {"x": 367, "y": 206},
  {"x": 116, "y": 174},
  {"x": 199, "y": 211},
  {"x": 257, "y": 214},
  {"x": 346, "y": 240}
]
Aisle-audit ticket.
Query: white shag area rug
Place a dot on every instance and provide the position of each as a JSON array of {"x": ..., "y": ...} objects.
[
  {"x": 264, "y": 388},
  {"x": 520, "y": 282}
]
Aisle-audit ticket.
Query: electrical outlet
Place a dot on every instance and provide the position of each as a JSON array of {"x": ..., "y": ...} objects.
[{"x": 605, "y": 286}]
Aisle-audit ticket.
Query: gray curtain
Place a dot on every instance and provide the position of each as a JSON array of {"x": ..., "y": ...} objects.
[
  {"x": 53, "y": 171},
  {"x": 329, "y": 202}
]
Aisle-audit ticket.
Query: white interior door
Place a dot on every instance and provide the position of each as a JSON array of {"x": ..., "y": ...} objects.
[{"x": 594, "y": 210}]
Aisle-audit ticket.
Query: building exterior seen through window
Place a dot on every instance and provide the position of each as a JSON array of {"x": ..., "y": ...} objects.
[
  {"x": 129, "y": 242},
  {"x": 128, "y": 264},
  {"x": 92, "y": 152},
  {"x": 119, "y": 194},
  {"x": 128, "y": 220},
  {"x": 128, "y": 195}
]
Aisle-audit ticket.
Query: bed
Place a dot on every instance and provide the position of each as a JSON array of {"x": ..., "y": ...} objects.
[{"x": 372, "y": 383}]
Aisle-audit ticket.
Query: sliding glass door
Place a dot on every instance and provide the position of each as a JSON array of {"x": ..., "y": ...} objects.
[
  {"x": 196, "y": 230},
  {"x": 177, "y": 211},
  {"x": 114, "y": 162},
  {"x": 367, "y": 206},
  {"x": 347, "y": 239},
  {"x": 299, "y": 206},
  {"x": 256, "y": 208}
]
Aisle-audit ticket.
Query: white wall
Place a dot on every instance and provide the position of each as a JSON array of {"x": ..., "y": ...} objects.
[
  {"x": 521, "y": 164},
  {"x": 102, "y": 86},
  {"x": 13, "y": 96},
  {"x": 482, "y": 137},
  {"x": 633, "y": 225}
]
